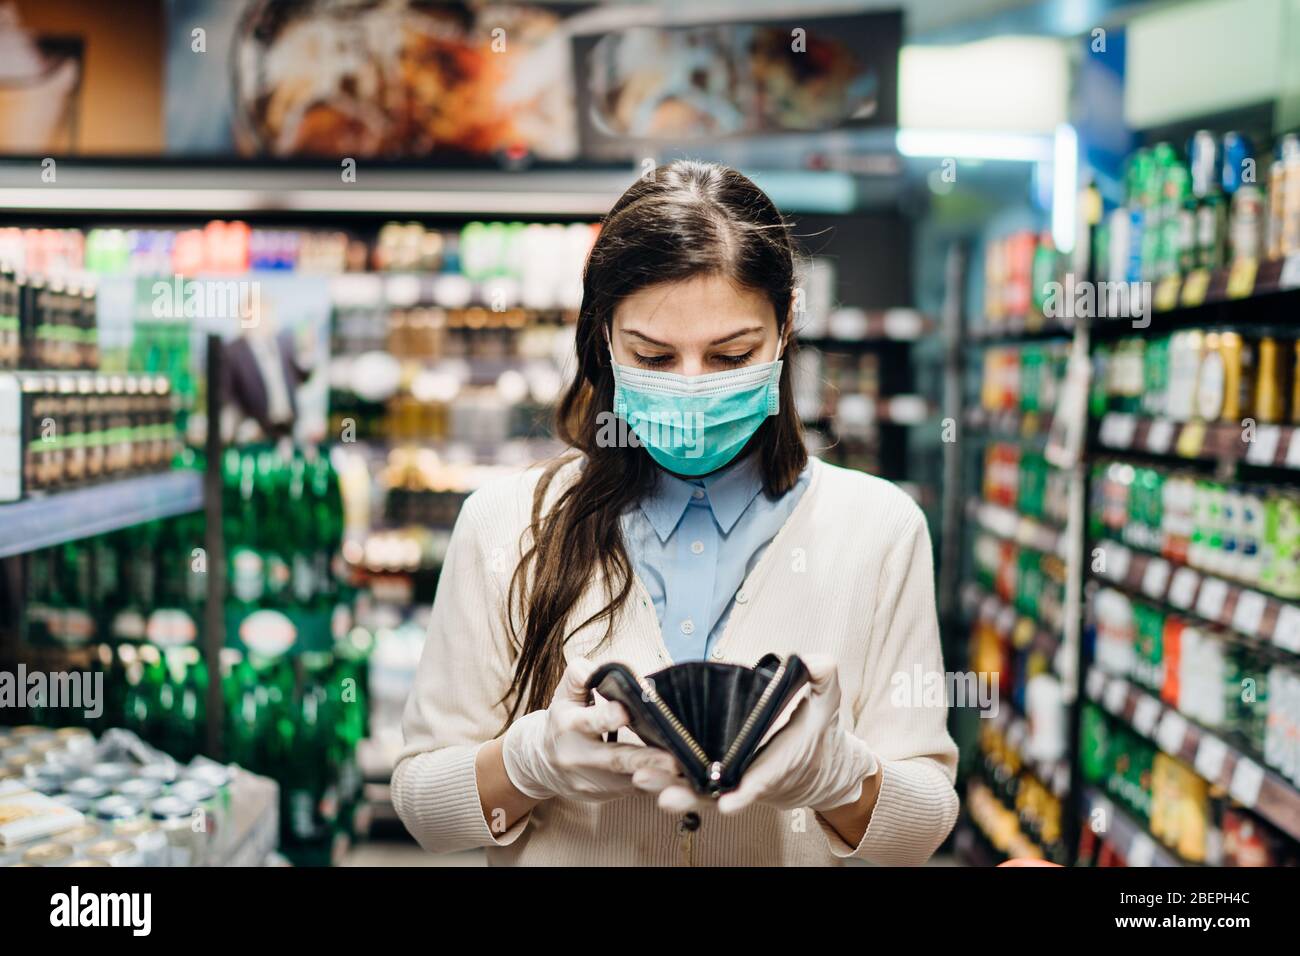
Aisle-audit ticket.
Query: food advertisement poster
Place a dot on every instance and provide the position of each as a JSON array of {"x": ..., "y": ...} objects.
[
  {"x": 392, "y": 80},
  {"x": 652, "y": 85}
]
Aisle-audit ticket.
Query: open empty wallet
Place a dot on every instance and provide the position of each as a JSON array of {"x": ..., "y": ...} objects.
[{"x": 712, "y": 717}]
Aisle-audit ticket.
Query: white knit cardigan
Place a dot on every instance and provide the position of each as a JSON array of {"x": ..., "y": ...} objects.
[{"x": 850, "y": 574}]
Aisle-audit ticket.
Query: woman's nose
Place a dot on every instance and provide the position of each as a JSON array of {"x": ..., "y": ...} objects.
[{"x": 692, "y": 365}]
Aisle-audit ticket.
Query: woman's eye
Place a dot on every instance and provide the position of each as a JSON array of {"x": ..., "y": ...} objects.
[
  {"x": 736, "y": 359},
  {"x": 652, "y": 361}
]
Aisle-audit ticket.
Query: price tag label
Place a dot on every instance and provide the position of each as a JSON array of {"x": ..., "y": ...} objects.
[
  {"x": 1155, "y": 578},
  {"x": 1293, "y": 449},
  {"x": 1160, "y": 436},
  {"x": 1209, "y": 605},
  {"x": 1286, "y": 633},
  {"x": 1121, "y": 430},
  {"x": 1249, "y": 613},
  {"x": 1116, "y": 694},
  {"x": 1195, "y": 286},
  {"x": 1263, "y": 450},
  {"x": 1241, "y": 278},
  {"x": 1117, "y": 558},
  {"x": 1145, "y": 715},
  {"x": 1247, "y": 778},
  {"x": 1171, "y": 733},
  {"x": 1211, "y": 753},
  {"x": 1182, "y": 589},
  {"x": 1192, "y": 439},
  {"x": 1096, "y": 683},
  {"x": 1142, "y": 851},
  {"x": 1290, "y": 277},
  {"x": 1166, "y": 296}
]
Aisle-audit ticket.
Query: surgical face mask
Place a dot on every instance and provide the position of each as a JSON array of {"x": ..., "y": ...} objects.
[{"x": 695, "y": 424}]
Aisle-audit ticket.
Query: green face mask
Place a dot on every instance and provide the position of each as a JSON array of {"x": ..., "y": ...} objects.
[{"x": 695, "y": 424}]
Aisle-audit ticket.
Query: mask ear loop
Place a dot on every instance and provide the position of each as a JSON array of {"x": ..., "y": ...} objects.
[{"x": 774, "y": 385}]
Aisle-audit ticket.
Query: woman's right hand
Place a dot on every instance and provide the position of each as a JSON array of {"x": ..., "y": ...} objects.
[{"x": 559, "y": 752}]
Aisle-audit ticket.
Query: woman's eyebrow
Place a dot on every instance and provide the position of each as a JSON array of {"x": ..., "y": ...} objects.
[
  {"x": 722, "y": 341},
  {"x": 645, "y": 338},
  {"x": 736, "y": 335}
]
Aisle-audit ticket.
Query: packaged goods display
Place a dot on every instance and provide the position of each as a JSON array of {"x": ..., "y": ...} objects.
[
  {"x": 46, "y": 323},
  {"x": 1198, "y": 822},
  {"x": 1246, "y": 533},
  {"x": 79, "y": 801},
  {"x": 1024, "y": 379},
  {"x": 1016, "y": 269},
  {"x": 61, "y": 431},
  {"x": 1202, "y": 375},
  {"x": 1215, "y": 201}
]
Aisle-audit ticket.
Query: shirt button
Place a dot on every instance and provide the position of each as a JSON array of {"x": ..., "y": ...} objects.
[
  {"x": 697, "y": 494},
  {"x": 742, "y": 596},
  {"x": 697, "y": 547},
  {"x": 717, "y": 654},
  {"x": 688, "y": 627}
]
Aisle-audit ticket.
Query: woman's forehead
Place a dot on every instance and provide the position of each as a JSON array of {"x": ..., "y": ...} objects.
[{"x": 704, "y": 307}]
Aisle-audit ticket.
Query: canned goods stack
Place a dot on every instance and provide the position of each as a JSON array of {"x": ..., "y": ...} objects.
[{"x": 112, "y": 812}]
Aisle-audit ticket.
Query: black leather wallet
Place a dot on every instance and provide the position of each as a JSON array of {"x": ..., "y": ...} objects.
[{"x": 711, "y": 717}]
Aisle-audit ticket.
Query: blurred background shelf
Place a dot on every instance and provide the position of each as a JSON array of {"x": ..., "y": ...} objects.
[{"x": 97, "y": 509}]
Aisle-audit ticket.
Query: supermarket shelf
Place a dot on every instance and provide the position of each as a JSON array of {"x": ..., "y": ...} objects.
[
  {"x": 1010, "y": 425},
  {"x": 1126, "y": 834},
  {"x": 1251, "y": 613},
  {"x": 97, "y": 509},
  {"x": 225, "y": 190},
  {"x": 870, "y": 328},
  {"x": 1274, "y": 446},
  {"x": 904, "y": 410},
  {"x": 1017, "y": 330},
  {"x": 1053, "y": 774},
  {"x": 407, "y": 189},
  {"x": 1020, "y": 630},
  {"x": 1012, "y": 525},
  {"x": 1245, "y": 286},
  {"x": 1219, "y": 762}
]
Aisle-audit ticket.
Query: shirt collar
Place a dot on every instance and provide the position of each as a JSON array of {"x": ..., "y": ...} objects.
[{"x": 728, "y": 492}]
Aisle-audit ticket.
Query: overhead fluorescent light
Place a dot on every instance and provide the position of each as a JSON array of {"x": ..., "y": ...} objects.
[
  {"x": 1065, "y": 187},
  {"x": 975, "y": 144}
]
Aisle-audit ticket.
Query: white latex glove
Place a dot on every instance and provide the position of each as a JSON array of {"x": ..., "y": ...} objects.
[
  {"x": 811, "y": 762},
  {"x": 558, "y": 752}
]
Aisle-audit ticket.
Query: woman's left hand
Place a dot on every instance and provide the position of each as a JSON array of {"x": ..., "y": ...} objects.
[{"x": 811, "y": 762}]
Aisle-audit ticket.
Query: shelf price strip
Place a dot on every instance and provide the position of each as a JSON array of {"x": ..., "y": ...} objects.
[
  {"x": 1251, "y": 785},
  {"x": 1270, "y": 446},
  {"x": 1240, "y": 608}
]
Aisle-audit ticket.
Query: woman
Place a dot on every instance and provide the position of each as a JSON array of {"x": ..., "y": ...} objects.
[{"x": 689, "y": 523}]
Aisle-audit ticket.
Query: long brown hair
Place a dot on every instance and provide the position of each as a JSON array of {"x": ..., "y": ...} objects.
[{"x": 687, "y": 219}]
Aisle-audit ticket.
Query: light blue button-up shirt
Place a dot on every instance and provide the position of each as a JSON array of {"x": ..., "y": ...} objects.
[{"x": 692, "y": 542}]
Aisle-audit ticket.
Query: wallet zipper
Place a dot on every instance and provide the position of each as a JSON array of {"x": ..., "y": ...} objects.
[
  {"x": 716, "y": 768},
  {"x": 676, "y": 724},
  {"x": 747, "y": 727}
]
